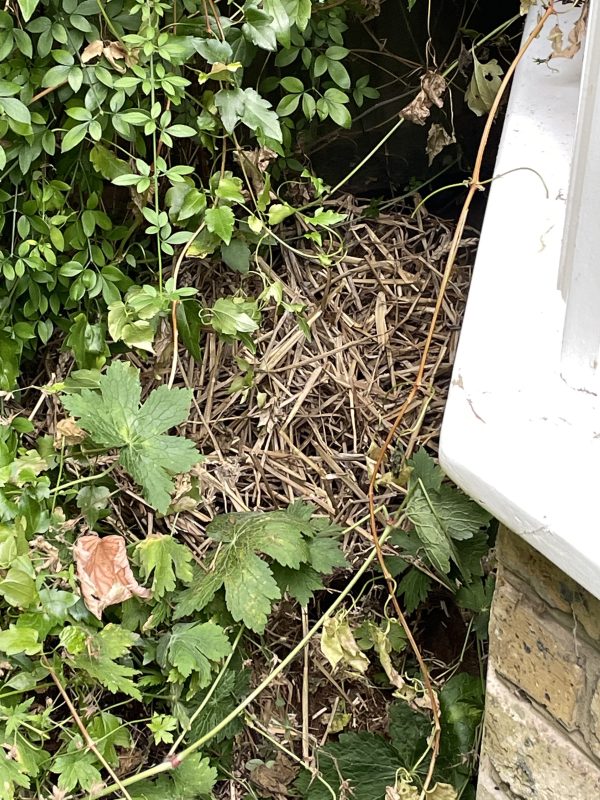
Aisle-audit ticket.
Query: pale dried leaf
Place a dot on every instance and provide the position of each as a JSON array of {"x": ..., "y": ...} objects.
[
  {"x": 93, "y": 50},
  {"x": 276, "y": 778},
  {"x": 442, "y": 791},
  {"x": 526, "y": 5},
  {"x": 402, "y": 791},
  {"x": 114, "y": 52},
  {"x": 339, "y": 646},
  {"x": 381, "y": 309},
  {"x": 255, "y": 164},
  {"x": 484, "y": 85},
  {"x": 433, "y": 87},
  {"x": 104, "y": 573},
  {"x": 383, "y": 650},
  {"x": 575, "y": 37},
  {"x": 437, "y": 139},
  {"x": 68, "y": 430}
]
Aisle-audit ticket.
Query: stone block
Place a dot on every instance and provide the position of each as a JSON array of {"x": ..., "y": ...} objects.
[
  {"x": 537, "y": 654},
  {"x": 487, "y": 787},
  {"x": 531, "y": 757},
  {"x": 548, "y": 581}
]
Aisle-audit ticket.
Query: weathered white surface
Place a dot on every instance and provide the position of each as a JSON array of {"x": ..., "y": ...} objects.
[
  {"x": 515, "y": 436},
  {"x": 580, "y": 276}
]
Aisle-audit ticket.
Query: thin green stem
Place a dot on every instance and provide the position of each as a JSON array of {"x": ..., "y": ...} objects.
[
  {"x": 175, "y": 760},
  {"x": 58, "y": 489}
]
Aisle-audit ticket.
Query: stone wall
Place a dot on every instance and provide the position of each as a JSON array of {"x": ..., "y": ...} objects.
[{"x": 542, "y": 722}]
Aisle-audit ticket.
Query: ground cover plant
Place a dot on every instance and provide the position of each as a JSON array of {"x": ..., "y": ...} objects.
[{"x": 150, "y": 649}]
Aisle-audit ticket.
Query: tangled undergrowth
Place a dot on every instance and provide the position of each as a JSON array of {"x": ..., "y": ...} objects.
[{"x": 201, "y": 350}]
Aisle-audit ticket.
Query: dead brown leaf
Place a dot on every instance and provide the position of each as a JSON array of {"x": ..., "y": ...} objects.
[
  {"x": 69, "y": 432},
  {"x": 93, "y": 50},
  {"x": 575, "y": 37},
  {"x": 433, "y": 86},
  {"x": 437, "y": 139},
  {"x": 255, "y": 163},
  {"x": 276, "y": 778},
  {"x": 104, "y": 574}
]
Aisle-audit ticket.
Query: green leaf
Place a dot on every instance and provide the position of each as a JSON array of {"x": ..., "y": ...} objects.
[
  {"x": 189, "y": 326},
  {"x": 114, "y": 419},
  {"x": 461, "y": 707},
  {"x": 414, "y": 587},
  {"x": 259, "y": 116},
  {"x": 300, "y": 584},
  {"x": 221, "y": 220},
  {"x": 19, "y": 640},
  {"x": 249, "y": 583},
  {"x": 18, "y": 588},
  {"x": 73, "y": 137},
  {"x": 230, "y": 103},
  {"x": 299, "y": 11},
  {"x": 190, "y": 647},
  {"x": 230, "y": 317},
  {"x": 484, "y": 85},
  {"x": 288, "y": 104},
  {"x": 96, "y": 654},
  {"x": 167, "y": 560},
  {"x": 11, "y": 775},
  {"x": 426, "y": 470},
  {"x": 278, "y": 212},
  {"x": 259, "y": 28},
  {"x": 76, "y": 769},
  {"x": 280, "y": 21},
  {"x": 27, "y": 8},
  {"x": 236, "y": 255},
  {"x": 16, "y": 110},
  {"x": 107, "y": 163}
]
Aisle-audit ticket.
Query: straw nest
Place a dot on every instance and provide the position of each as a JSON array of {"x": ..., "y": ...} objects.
[{"x": 316, "y": 407}]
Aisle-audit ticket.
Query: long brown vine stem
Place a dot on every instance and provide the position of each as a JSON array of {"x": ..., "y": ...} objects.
[
  {"x": 475, "y": 185},
  {"x": 84, "y": 732}
]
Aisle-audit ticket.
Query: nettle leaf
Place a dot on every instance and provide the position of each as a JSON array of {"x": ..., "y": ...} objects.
[
  {"x": 193, "y": 778},
  {"x": 250, "y": 584},
  {"x": 191, "y": 647},
  {"x": 367, "y": 763},
  {"x": 115, "y": 419},
  {"x": 167, "y": 560}
]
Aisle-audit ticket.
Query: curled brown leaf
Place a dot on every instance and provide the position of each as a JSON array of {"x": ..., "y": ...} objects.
[
  {"x": 433, "y": 86},
  {"x": 104, "y": 573}
]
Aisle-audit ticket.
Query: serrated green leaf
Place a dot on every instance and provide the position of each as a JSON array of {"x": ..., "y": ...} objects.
[
  {"x": 220, "y": 220},
  {"x": 191, "y": 647},
  {"x": 166, "y": 560},
  {"x": 11, "y": 775},
  {"x": 19, "y": 640},
  {"x": 414, "y": 587},
  {"x": 300, "y": 584},
  {"x": 258, "y": 27},
  {"x": 259, "y": 116},
  {"x": 249, "y": 583},
  {"x": 76, "y": 769},
  {"x": 114, "y": 419}
]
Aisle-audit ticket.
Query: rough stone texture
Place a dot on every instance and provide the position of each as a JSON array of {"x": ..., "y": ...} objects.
[
  {"x": 530, "y": 755},
  {"x": 558, "y": 590},
  {"x": 488, "y": 789},
  {"x": 534, "y": 652},
  {"x": 542, "y": 722}
]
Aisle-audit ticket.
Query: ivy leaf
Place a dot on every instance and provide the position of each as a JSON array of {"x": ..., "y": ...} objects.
[
  {"x": 259, "y": 28},
  {"x": 249, "y": 583},
  {"x": 19, "y": 640},
  {"x": 114, "y": 419},
  {"x": 167, "y": 559},
  {"x": 190, "y": 647},
  {"x": 230, "y": 103},
  {"x": 299, "y": 12},
  {"x": 259, "y": 116},
  {"x": 221, "y": 220}
]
